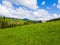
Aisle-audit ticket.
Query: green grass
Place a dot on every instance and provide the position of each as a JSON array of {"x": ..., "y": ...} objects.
[{"x": 35, "y": 34}]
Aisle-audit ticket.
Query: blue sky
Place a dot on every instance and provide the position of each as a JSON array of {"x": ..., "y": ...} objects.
[
  {"x": 33, "y": 7},
  {"x": 49, "y": 4},
  {"x": 0, "y": 1}
]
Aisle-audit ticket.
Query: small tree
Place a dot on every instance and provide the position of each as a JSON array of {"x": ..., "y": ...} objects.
[{"x": 3, "y": 24}]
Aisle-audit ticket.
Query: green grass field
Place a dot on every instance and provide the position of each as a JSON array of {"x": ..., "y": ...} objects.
[{"x": 35, "y": 34}]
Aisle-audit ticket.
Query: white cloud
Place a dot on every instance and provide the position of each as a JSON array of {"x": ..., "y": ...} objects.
[
  {"x": 32, "y": 4},
  {"x": 43, "y": 3},
  {"x": 3, "y": 10},
  {"x": 40, "y": 12},
  {"x": 56, "y": 16},
  {"x": 7, "y": 12},
  {"x": 7, "y": 4},
  {"x": 21, "y": 13},
  {"x": 58, "y": 1},
  {"x": 58, "y": 5},
  {"x": 54, "y": 4},
  {"x": 48, "y": 8}
]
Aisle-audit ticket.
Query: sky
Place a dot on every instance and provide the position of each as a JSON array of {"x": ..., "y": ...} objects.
[{"x": 30, "y": 9}]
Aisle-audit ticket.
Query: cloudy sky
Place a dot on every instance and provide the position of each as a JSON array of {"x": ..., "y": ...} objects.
[{"x": 30, "y": 9}]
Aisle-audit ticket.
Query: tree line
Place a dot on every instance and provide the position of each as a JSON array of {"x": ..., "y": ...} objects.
[{"x": 6, "y": 24}]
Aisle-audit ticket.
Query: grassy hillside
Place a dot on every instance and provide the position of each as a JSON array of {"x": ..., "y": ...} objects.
[
  {"x": 12, "y": 22},
  {"x": 35, "y": 34}
]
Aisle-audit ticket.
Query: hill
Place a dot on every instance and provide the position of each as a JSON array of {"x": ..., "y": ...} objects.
[
  {"x": 53, "y": 19},
  {"x": 34, "y": 34},
  {"x": 10, "y": 22},
  {"x": 6, "y": 22}
]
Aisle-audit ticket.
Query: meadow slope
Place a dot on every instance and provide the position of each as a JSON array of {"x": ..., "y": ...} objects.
[{"x": 35, "y": 34}]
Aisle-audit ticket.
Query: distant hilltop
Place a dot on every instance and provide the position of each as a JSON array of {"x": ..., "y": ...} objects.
[{"x": 54, "y": 19}]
